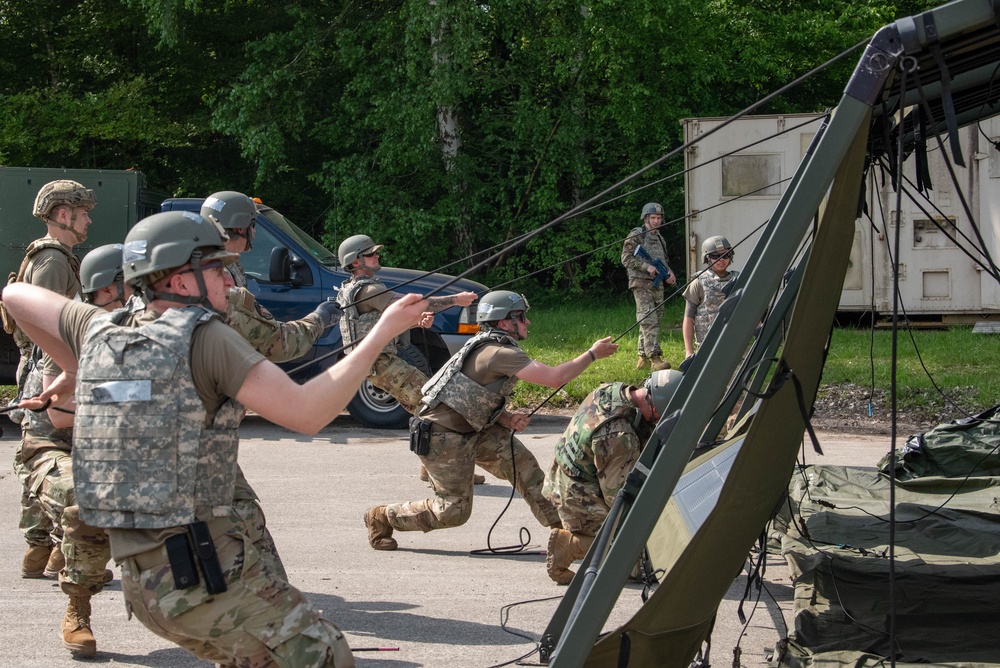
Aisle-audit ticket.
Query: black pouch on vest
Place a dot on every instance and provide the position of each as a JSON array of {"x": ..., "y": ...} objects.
[
  {"x": 208, "y": 559},
  {"x": 181, "y": 562},
  {"x": 420, "y": 436}
]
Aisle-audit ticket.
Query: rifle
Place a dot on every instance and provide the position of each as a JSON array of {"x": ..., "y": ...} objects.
[{"x": 662, "y": 271}]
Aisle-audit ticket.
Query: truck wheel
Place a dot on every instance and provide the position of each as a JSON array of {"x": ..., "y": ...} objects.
[{"x": 376, "y": 408}]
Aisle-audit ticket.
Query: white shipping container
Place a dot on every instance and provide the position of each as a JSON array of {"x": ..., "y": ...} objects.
[{"x": 737, "y": 175}]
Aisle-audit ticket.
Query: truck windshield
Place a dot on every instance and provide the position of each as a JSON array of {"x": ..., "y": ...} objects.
[{"x": 315, "y": 248}]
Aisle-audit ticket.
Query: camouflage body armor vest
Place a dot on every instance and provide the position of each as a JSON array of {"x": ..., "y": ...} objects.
[
  {"x": 574, "y": 451},
  {"x": 480, "y": 405},
  {"x": 712, "y": 286},
  {"x": 355, "y": 325},
  {"x": 653, "y": 243},
  {"x": 142, "y": 457},
  {"x": 239, "y": 276}
]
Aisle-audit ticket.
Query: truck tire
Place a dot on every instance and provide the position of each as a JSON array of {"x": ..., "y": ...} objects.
[{"x": 374, "y": 407}]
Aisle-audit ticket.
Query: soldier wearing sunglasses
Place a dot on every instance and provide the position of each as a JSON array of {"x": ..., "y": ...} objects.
[{"x": 705, "y": 294}]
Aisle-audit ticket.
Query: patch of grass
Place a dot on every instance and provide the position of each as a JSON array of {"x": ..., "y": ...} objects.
[
  {"x": 959, "y": 361},
  {"x": 956, "y": 359},
  {"x": 560, "y": 332}
]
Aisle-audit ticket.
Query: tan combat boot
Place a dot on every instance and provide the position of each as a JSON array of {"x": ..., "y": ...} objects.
[
  {"x": 56, "y": 562},
  {"x": 34, "y": 560},
  {"x": 658, "y": 363},
  {"x": 76, "y": 633},
  {"x": 642, "y": 363},
  {"x": 564, "y": 548},
  {"x": 379, "y": 529}
]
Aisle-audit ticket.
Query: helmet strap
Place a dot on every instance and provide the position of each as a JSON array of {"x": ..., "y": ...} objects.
[
  {"x": 200, "y": 299},
  {"x": 71, "y": 228}
]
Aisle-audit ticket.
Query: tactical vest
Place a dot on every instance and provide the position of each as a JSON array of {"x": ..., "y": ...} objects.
[
  {"x": 712, "y": 286},
  {"x": 24, "y": 344},
  {"x": 480, "y": 405},
  {"x": 37, "y": 423},
  {"x": 575, "y": 450},
  {"x": 355, "y": 325},
  {"x": 239, "y": 276},
  {"x": 652, "y": 243},
  {"x": 142, "y": 457}
]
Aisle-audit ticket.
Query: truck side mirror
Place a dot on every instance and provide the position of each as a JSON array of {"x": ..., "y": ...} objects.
[
  {"x": 279, "y": 270},
  {"x": 287, "y": 268}
]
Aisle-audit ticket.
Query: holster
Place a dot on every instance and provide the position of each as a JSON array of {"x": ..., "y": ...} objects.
[
  {"x": 186, "y": 550},
  {"x": 420, "y": 436}
]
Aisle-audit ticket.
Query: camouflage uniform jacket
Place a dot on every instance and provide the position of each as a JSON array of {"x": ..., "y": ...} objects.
[
  {"x": 277, "y": 341},
  {"x": 355, "y": 325},
  {"x": 479, "y": 405},
  {"x": 637, "y": 268},
  {"x": 712, "y": 292},
  {"x": 574, "y": 450},
  {"x": 142, "y": 456}
]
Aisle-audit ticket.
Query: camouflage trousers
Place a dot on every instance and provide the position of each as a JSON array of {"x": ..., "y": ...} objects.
[
  {"x": 249, "y": 517},
  {"x": 649, "y": 314},
  {"x": 580, "y": 504},
  {"x": 86, "y": 548},
  {"x": 260, "y": 620},
  {"x": 34, "y": 522},
  {"x": 403, "y": 381},
  {"x": 450, "y": 465}
]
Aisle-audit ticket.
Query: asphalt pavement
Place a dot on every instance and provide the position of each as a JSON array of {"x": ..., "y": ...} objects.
[{"x": 432, "y": 602}]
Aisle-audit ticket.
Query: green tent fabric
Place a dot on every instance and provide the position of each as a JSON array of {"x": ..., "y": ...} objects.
[
  {"x": 968, "y": 446},
  {"x": 947, "y": 557}
]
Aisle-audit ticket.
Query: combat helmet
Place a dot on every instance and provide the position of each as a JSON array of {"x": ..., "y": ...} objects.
[
  {"x": 101, "y": 268},
  {"x": 165, "y": 241},
  {"x": 499, "y": 304},
  {"x": 715, "y": 244},
  {"x": 59, "y": 192},
  {"x": 661, "y": 386},
  {"x": 232, "y": 211},
  {"x": 651, "y": 208},
  {"x": 63, "y": 192},
  {"x": 352, "y": 248}
]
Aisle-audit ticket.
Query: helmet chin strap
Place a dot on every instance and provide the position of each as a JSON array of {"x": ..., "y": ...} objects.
[
  {"x": 80, "y": 236},
  {"x": 200, "y": 299}
]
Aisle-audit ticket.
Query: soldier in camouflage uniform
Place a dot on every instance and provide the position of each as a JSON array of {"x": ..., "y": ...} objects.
[
  {"x": 278, "y": 341},
  {"x": 158, "y": 407},
  {"x": 47, "y": 446},
  {"x": 648, "y": 300},
  {"x": 463, "y": 422},
  {"x": 363, "y": 298},
  {"x": 592, "y": 459},
  {"x": 705, "y": 294},
  {"x": 64, "y": 207}
]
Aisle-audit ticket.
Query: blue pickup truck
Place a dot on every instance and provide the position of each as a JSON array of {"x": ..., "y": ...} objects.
[{"x": 290, "y": 272}]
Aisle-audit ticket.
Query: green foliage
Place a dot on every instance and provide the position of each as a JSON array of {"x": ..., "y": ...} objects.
[{"x": 444, "y": 127}]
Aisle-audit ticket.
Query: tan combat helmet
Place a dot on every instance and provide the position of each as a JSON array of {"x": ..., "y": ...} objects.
[{"x": 63, "y": 193}]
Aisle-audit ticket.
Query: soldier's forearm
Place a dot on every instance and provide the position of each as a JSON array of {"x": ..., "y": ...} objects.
[{"x": 436, "y": 304}]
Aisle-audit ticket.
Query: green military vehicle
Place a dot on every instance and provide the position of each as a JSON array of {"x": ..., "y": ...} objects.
[{"x": 123, "y": 198}]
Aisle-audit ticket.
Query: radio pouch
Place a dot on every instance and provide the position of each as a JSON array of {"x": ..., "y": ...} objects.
[{"x": 420, "y": 436}]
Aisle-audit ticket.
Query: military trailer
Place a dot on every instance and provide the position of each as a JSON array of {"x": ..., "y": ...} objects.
[{"x": 123, "y": 197}]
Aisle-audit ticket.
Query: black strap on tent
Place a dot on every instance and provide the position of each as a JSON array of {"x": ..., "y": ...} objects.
[
  {"x": 947, "y": 104},
  {"x": 624, "y": 650},
  {"x": 920, "y": 151}
]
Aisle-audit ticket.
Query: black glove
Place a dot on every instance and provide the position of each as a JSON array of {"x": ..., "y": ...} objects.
[{"x": 329, "y": 312}]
